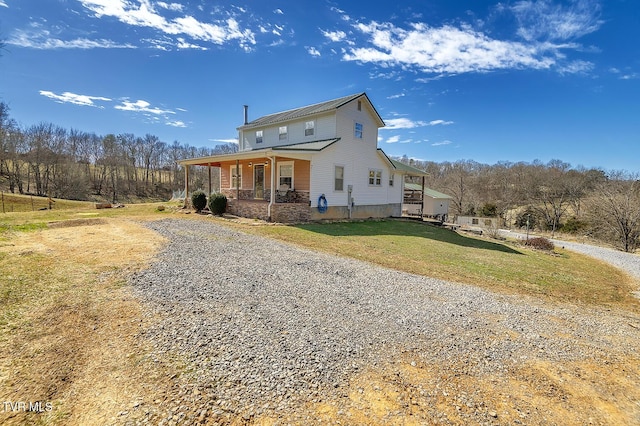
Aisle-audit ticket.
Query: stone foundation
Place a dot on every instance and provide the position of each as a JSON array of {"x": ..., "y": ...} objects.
[{"x": 290, "y": 213}]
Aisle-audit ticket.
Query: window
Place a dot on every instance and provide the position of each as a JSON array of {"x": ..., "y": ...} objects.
[
  {"x": 391, "y": 179},
  {"x": 285, "y": 176},
  {"x": 259, "y": 136},
  {"x": 282, "y": 133},
  {"x": 358, "y": 131},
  {"x": 339, "y": 178},
  {"x": 235, "y": 177},
  {"x": 375, "y": 177},
  {"x": 309, "y": 128},
  {"x": 359, "y": 105},
  {"x": 474, "y": 221}
]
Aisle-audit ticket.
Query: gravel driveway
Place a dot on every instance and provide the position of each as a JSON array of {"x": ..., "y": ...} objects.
[{"x": 267, "y": 326}]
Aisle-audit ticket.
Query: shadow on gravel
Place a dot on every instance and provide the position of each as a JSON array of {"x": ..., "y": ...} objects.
[{"x": 405, "y": 229}]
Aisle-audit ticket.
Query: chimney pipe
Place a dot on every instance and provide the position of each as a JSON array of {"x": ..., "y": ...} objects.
[{"x": 246, "y": 114}]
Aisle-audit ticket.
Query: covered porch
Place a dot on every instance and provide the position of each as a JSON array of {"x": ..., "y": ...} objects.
[{"x": 260, "y": 184}]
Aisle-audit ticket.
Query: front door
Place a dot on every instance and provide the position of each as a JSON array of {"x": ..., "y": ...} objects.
[{"x": 258, "y": 181}]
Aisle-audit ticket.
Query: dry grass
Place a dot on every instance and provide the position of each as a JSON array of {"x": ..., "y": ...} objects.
[{"x": 69, "y": 324}]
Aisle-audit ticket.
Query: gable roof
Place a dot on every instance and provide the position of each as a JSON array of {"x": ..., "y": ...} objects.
[
  {"x": 293, "y": 114},
  {"x": 401, "y": 167}
]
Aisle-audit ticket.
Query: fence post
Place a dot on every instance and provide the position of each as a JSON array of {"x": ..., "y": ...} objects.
[
  {"x": 32, "y": 208},
  {"x": 2, "y": 201}
]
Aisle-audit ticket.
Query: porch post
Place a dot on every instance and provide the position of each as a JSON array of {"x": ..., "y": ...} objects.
[
  {"x": 209, "y": 179},
  {"x": 422, "y": 201},
  {"x": 238, "y": 177},
  {"x": 186, "y": 185},
  {"x": 272, "y": 193}
]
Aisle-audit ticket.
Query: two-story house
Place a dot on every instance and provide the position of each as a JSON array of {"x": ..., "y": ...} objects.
[{"x": 317, "y": 162}]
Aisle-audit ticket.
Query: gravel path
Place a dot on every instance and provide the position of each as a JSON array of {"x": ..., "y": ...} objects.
[
  {"x": 626, "y": 261},
  {"x": 267, "y": 326}
]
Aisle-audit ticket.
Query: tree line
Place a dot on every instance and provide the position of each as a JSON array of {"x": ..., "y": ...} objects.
[
  {"x": 551, "y": 196},
  {"x": 47, "y": 160}
]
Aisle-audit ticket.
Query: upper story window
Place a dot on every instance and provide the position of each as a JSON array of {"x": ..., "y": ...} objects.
[
  {"x": 282, "y": 133},
  {"x": 359, "y": 105},
  {"x": 259, "y": 136},
  {"x": 358, "y": 130},
  {"x": 375, "y": 177},
  {"x": 309, "y": 128}
]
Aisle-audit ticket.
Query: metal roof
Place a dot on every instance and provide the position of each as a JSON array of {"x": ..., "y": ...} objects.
[
  {"x": 305, "y": 111},
  {"x": 427, "y": 191}
]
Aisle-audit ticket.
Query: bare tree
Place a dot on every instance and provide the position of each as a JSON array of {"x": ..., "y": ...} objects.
[{"x": 615, "y": 211}]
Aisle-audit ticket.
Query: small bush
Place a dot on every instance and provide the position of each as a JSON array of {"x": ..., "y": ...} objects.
[
  {"x": 573, "y": 226},
  {"x": 160, "y": 208},
  {"x": 540, "y": 243},
  {"x": 218, "y": 204},
  {"x": 198, "y": 200}
]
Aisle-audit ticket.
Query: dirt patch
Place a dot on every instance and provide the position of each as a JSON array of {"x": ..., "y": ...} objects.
[
  {"x": 602, "y": 392},
  {"x": 77, "y": 222},
  {"x": 73, "y": 351}
]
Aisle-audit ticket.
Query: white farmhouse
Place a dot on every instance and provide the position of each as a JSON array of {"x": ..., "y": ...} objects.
[{"x": 316, "y": 162}]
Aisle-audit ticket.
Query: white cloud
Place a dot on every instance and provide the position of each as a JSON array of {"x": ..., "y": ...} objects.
[
  {"x": 278, "y": 12},
  {"x": 441, "y": 143},
  {"x": 176, "y": 123},
  {"x": 75, "y": 99},
  {"x": 142, "y": 106},
  {"x": 2, "y": 3},
  {"x": 334, "y": 36},
  {"x": 393, "y": 139},
  {"x": 313, "y": 51},
  {"x": 402, "y": 123},
  {"x": 547, "y": 20},
  {"x": 443, "y": 50},
  {"x": 39, "y": 38},
  {"x": 225, "y": 140},
  {"x": 439, "y": 122},
  {"x": 399, "y": 95},
  {"x": 170, "y": 6},
  {"x": 142, "y": 14}
]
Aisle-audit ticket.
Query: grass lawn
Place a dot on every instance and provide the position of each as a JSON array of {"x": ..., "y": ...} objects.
[{"x": 437, "y": 252}]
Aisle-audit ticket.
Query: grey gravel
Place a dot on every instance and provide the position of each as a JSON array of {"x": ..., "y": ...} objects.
[
  {"x": 265, "y": 326},
  {"x": 628, "y": 262}
]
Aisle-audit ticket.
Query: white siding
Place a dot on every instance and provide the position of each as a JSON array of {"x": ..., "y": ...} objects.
[
  {"x": 325, "y": 128},
  {"x": 357, "y": 156}
]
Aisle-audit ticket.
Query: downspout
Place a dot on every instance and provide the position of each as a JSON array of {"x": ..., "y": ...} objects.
[
  {"x": 209, "y": 178},
  {"x": 272, "y": 193}
]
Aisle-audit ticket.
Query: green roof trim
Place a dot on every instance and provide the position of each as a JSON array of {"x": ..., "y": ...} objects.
[
  {"x": 307, "y": 146},
  {"x": 407, "y": 169}
]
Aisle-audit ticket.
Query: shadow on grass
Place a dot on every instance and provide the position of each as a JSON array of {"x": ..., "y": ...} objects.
[{"x": 406, "y": 229}]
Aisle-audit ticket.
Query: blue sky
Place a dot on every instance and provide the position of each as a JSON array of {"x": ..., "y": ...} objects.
[{"x": 476, "y": 80}]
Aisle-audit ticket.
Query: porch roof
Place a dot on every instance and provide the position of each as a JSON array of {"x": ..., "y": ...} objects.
[{"x": 299, "y": 150}]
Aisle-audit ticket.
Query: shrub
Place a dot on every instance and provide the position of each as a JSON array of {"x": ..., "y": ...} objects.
[
  {"x": 539, "y": 243},
  {"x": 573, "y": 226},
  {"x": 198, "y": 200},
  {"x": 217, "y": 203},
  {"x": 160, "y": 208}
]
